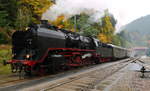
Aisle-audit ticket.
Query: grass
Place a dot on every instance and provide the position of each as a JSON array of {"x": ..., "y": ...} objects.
[
  {"x": 5, "y": 70},
  {"x": 5, "y": 54}
]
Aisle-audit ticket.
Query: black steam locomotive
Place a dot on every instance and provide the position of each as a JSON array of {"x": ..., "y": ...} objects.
[{"x": 45, "y": 48}]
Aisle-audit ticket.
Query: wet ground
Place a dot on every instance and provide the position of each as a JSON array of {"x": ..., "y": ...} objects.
[{"x": 128, "y": 79}]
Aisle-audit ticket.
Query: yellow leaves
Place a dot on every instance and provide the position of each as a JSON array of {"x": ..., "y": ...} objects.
[
  {"x": 41, "y": 6},
  {"x": 104, "y": 38},
  {"x": 60, "y": 26},
  {"x": 24, "y": 17},
  {"x": 106, "y": 30},
  {"x": 38, "y": 7},
  {"x": 73, "y": 30},
  {"x": 61, "y": 22}
]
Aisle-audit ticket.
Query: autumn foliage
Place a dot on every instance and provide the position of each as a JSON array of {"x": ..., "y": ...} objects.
[
  {"x": 104, "y": 31},
  {"x": 18, "y": 14},
  {"x": 37, "y": 7}
]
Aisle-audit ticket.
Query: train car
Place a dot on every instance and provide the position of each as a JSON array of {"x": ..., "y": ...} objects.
[
  {"x": 118, "y": 52},
  {"x": 105, "y": 51},
  {"x": 45, "y": 48},
  {"x": 128, "y": 53},
  {"x": 109, "y": 52}
]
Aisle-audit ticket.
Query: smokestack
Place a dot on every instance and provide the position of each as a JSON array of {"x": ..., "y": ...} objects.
[
  {"x": 75, "y": 23},
  {"x": 44, "y": 22},
  {"x": 54, "y": 1}
]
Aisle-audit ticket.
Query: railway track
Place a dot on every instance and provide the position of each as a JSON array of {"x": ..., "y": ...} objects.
[
  {"x": 79, "y": 80},
  {"x": 86, "y": 81},
  {"x": 15, "y": 79}
]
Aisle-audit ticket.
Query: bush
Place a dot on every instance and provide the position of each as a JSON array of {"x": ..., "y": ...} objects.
[{"x": 5, "y": 54}]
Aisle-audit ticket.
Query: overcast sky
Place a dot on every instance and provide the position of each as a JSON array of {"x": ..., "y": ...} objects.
[{"x": 124, "y": 11}]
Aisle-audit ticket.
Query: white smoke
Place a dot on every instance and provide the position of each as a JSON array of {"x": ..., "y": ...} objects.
[{"x": 69, "y": 8}]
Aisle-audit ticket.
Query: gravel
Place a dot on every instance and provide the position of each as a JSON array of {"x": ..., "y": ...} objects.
[{"x": 126, "y": 79}]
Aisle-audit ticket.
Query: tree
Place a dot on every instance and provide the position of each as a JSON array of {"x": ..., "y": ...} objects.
[
  {"x": 37, "y": 7},
  {"x": 3, "y": 20},
  {"x": 117, "y": 40},
  {"x": 107, "y": 28},
  {"x": 84, "y": 26},
  {"x": 90, "y": 31},
  {"x": 8, "y": 9},
  {"x": 30, "y": 11},
  {"x": 18, "y": 14},
  {"x": 24, "y": 17},
  {"x": 3, "y": 15}
]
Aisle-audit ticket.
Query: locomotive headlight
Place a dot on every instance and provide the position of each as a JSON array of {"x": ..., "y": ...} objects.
[
  {"x": 13, "y": 55},
  {"x": 27, "y": 28},
  {"x": 27, "y": 56}
]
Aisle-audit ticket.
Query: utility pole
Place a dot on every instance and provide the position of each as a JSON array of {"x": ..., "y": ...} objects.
[{"x": 75, "y": 23}]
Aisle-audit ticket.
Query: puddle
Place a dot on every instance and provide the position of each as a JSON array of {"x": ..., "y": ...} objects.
[{"x": 134, "y": 66}]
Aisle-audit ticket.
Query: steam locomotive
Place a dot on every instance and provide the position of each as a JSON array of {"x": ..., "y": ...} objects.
[{"x": 44, "y": 48}]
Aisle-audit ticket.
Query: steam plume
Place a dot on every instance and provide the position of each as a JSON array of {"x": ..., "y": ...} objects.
[{"x": 70, "y": 8}]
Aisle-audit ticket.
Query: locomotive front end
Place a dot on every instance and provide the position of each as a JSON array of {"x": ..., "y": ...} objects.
[{"x": 24, "y": 52}]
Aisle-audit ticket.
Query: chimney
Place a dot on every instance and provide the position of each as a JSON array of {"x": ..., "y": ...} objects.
[{"x": 44, "y": 22}]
